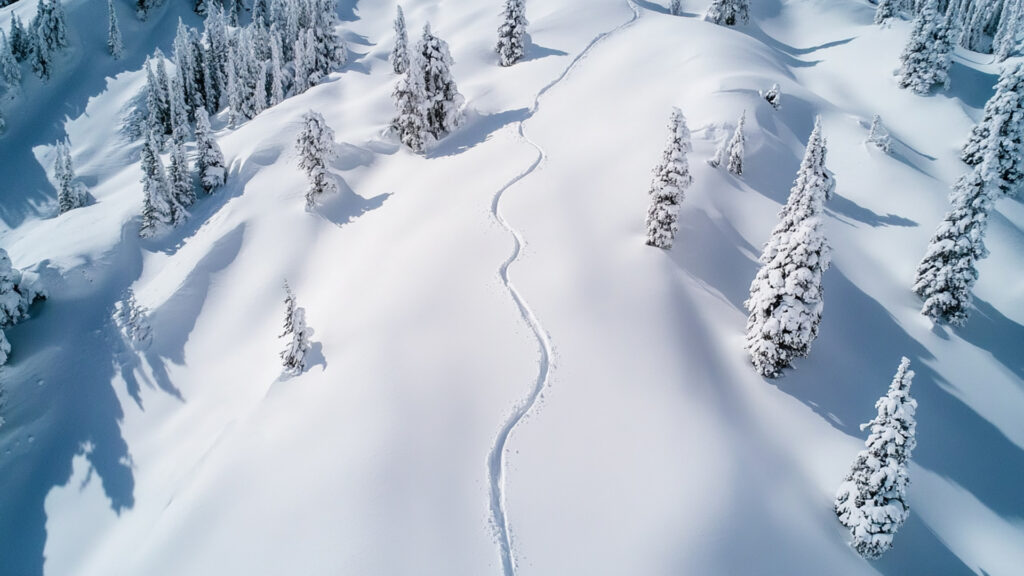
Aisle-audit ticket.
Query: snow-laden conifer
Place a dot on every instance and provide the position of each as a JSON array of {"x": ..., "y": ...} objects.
[
  {"x": 327, "y": 48},
  {"x": 315, "y": 145},
  {"x": 234, "y": 11},
  {"x": 276, "y": 70},
  {"x": 886, "y": 10},
  {"x": 872, "y": 501},
  {"x": 399, "y": 56},
  {"x": 159, "y": 209},
  {"x": 512, "y": 33},
  {"x": 1004, "y": 115},
  {"x": 10, "y": 70},
  {"x": 41, "y": 55},
  {"x": 16, "y": 296},
  {"x": 720, "y": 153},
  {"x": 304, "y": 63},
  {"x": 132, "y": 319},
  {"x": 21, "y": 39},
  {"x": 785, "y": 301},
  {"x": 879, "y": 136},
  {"x": 261, "y": 12},
  {"x": 209, "y": 158},
  {"x": 671, "y": 179},
  {"x": 920, "y": 62},
  {"x": 294, "y": 355},
  {"x": 774, "y": 96},
  {"x": 948, "y": 270},
  {"x": 216, "y": 60},
  {"x": 1004, "y": 44},
  {"x": 728, "y": 12},
  {"x": 675, "y": 7},
  {"x": 410, "y": 121},
  {"x": 188, "y": 66},
  {"x": 443, "y": 100},
  {"x": 736, "y": 147},
  {"x": 70, "y": 194},
  {"x": 114, "y": 42}
]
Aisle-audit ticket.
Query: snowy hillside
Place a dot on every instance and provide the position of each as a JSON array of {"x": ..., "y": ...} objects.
[{"x": 504, "y": 378}]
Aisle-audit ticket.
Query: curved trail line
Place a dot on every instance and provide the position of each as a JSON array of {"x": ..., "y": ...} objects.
[{"x": 496, "y": 459}]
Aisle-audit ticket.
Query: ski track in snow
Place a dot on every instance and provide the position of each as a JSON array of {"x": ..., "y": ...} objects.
[{"x": 496, "y": 459}]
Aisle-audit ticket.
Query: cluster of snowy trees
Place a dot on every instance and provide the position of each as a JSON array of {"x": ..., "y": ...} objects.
[
  {"x": 428, "y": 104},
  {"x": 298, "y": 334},
  {"x": 38, "y": 43},
  {"x": 288, "y": 47},
  {"x": 726, "y": 12},
  {"x": 17, "y": 293},
  {"x": 872, "y": 501},
  {"x": 132, "y": 319},
  {"x": 995, "y": 150},
  {"x": 731, "y": 151}
]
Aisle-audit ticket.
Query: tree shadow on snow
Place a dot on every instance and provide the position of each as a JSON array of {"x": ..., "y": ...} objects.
[
  {"x": 844, "y": 209},
  {"x": 536, "y": 51},
  {"x": 59, "y": 377},
  {"x": 851, "y": 366},
  {"x": 990, "y": 330},
  {"x": 346, "y": 206},
  {"x": 971, "y": 86},
  {"x": 728, "y": 269},
  {"x": 475, "y": 129},
  {"x": 176, "y": 318}
]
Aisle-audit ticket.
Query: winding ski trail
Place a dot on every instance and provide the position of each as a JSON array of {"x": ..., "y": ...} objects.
[{"x": 496, "y": 458}]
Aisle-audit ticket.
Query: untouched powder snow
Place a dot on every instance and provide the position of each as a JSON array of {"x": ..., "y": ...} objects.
[{"x": 504, "y": 378}]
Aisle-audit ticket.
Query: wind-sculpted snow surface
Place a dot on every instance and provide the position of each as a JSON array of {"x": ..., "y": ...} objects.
[
  {"x": 659, "y": 450},
  {"x": 496, "y": 459}
]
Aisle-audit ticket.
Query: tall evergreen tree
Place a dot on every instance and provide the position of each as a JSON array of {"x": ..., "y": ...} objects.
[
  {"x": 328, "y": 48},
  {"x": 299, "y": 344},
  {"x": 10, "y": 70},
  {"x": 158, "y": 104},
  {"x": 114, "y": 42},
  {"x": 675, "y": 7},
  {"x": 512, "y": 33},
  {"x": 785, "y": 301},
  {"x": 209, "y": 158},
  {"x": 69, "y": 195},
  {"x": 21, "y": 39},
  {"x": 443, "y": 100},
  {"x": 728, "y": 12},
  {"x": 159, "y": 209},
  {"x": 886, "y": 10},
  {"x": 737, "y": 148},
  {"x": 921, "y": 61},
  {"x": 277, "y": 75},
  {"x": 1003, "y": 117},
  {"x": 261, "y": 12},
  {"x": 235, "y": 9},
  {"x": 1004, "y": 44},
  {"x": 304, "y": 63},
  {"x": 217, "y": 60},
  {"x": 188, "y": 64},
  {"x": 671, "y": 179},
  {"x": 871, "y": 502},
  {"x": 948, "y": 270},
  {"x": 400, "y": 51},
  {"x": 410, "y": 121},
  {"x": 179, "y": 175},
  {"x": 316, "y": 148}
]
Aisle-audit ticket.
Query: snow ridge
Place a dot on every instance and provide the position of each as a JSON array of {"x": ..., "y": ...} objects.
[{"x": 496, "y": 458}]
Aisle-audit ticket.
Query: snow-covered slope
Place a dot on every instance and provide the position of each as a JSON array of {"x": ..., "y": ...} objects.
[{"x": 652, "y": 447}]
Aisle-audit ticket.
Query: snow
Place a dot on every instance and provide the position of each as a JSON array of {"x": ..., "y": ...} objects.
[{"x": 651, "y": 446}]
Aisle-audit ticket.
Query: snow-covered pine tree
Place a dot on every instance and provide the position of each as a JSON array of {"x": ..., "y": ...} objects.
[
  {"x": 276, "y": 70},
  {"x": 315, "y": 145},
  {"x": 159, "y": 208},
  {"x": 294, "y": 354},
  {"x": 443, "y": 100},
  {"x": 774, "y": 96},
  {"x": 886, "y": 10},
  {"x": 216, "y": 60},
  {"x": 944, "y": 40},
  {"x": 304, "y": 63},
  {"x": 10, "y": 70},
  {"x": 410, "y": 121},
  {"x": 50, "y": 25},
  {"x": 188, "y": 66},
  {"x": 736, "y": 147},
  {"x": 21, "y": 39},
  {"x": 144, "y": 7},
  {"x": 16, "y": 296},
  {"x": 209, "y": 158},
  {"x": 785, "y": 301},
  {"x": 399, "y": 57},
  {"x": 158, "y": 98},
  {"x": 920, "y": 59},
  {"x": 879, "y": 136},
  {"x": 69, "y": 194},
  {"x": 948, "y": 270},
  {"x": 328, "y": 49},
  {"x": 675, "y": 7},
  {"x": 261, "y": 12},
  {"x": 41, "y": 56},
  {"x": 512, "y": 33},
  {"x": 1004, "y": 115},
  {"x": 728, "y": 12},
  {"x": 179, "y": 175},
  {"x": 1005, "y": 41},
  {"x": 871, "y": 502},
  {"x": 133, "y": 320},
  {"x": 114, "y": 42},
  {"x": 671, "y": 179},
  {"x": 720, "y": 152},
  {"x": 234, "y": 10}
]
